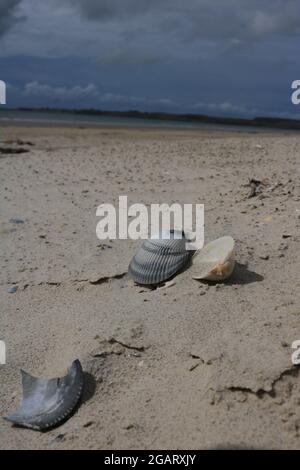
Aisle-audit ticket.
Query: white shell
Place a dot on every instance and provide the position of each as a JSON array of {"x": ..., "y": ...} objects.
[{"x": 214, "y": 262}]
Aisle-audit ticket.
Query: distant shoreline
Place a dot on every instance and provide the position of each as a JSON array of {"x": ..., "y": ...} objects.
[{"x": 162, "y": 119}]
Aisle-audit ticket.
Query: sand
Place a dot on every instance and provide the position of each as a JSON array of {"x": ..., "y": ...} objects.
[{"x": 193, "y": 365}]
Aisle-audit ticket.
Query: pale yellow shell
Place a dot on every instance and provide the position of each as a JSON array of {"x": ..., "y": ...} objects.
[{"x": 214, "y": 262}]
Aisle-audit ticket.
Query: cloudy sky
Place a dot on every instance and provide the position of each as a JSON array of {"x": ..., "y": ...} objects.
[{"x": 221, "y": 57}]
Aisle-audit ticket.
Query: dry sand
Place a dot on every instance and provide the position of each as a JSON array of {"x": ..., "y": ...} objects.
[{"x": 203, "y": 366}]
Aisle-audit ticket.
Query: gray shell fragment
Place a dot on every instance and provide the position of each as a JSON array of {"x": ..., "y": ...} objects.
[
  {"x": 46, "y": 403},
  {"x": 158, "y": 259}
]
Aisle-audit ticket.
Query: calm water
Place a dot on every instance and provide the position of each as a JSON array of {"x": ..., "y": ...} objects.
[{"x": 77, "y": 119}]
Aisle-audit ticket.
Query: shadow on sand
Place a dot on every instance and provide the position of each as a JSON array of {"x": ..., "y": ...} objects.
[
  {"x": 89, "y": 387},
  {"x": 242, "y": 275}
]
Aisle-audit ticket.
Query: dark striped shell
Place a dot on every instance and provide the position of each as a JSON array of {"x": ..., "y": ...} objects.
[
  {"x": 159, "y": 259},
  {"x": 48, "y": 402}
]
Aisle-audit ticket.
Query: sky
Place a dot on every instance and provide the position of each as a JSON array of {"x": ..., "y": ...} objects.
[{"x": 217, "y": 57}]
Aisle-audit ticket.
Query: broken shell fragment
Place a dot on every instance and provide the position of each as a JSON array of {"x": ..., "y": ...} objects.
[
  {"x": 160, "y": 258},
  {"x": 214, "y": 262},
  {"x": 48, "y": 402}
]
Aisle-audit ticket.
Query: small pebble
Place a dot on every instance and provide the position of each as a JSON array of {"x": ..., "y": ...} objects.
[
  {"x": 16, "y": 221},
  {"x": 265, "y": 257},
  {"x": 128, "y": 426},
  {"x": 12, "y": 289},
  {"x": 88, "y": 424},
  {"x": 283, "y": 246},
  {"x": 59, "y": 437},
  {"x": 134, "y": 354}
]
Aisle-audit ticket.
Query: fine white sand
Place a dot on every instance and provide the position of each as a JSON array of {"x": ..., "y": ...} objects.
[{"x": 203, "y": 366}]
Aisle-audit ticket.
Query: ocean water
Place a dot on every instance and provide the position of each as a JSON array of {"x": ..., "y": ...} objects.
[{"x": 111, "y": 121}]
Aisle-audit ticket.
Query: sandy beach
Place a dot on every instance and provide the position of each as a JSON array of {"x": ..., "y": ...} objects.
[{"x": 192, "y": 366}]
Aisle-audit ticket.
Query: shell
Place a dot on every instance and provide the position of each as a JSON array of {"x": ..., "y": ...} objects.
[
  {"x": 46, "y": 403},
  {"x": 159, "y": 258},
  {"x": 214, "y": 262}
]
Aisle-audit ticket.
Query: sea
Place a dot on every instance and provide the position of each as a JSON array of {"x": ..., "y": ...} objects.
[{"x": 77, "y": 119}]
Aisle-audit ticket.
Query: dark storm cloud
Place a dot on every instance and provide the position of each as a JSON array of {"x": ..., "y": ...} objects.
[
  {"x": 111, "y": 9},
  {"x": 8, "y": 16},
  {"x": 216, "y": 56},
  {"x": 231, "y": 19},
  {"x": 148, "y": 30}
]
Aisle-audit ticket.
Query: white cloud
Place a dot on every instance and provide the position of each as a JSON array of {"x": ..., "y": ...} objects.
[
  {"x": 84, "y": 94},
  {"x": 225, "y": 107},
  {"x": 62, "y": 93},
  {"x": 42, "y": 94}
]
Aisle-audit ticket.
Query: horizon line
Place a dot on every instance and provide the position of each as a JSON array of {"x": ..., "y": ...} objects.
[{"x": 260, "y": 121}]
